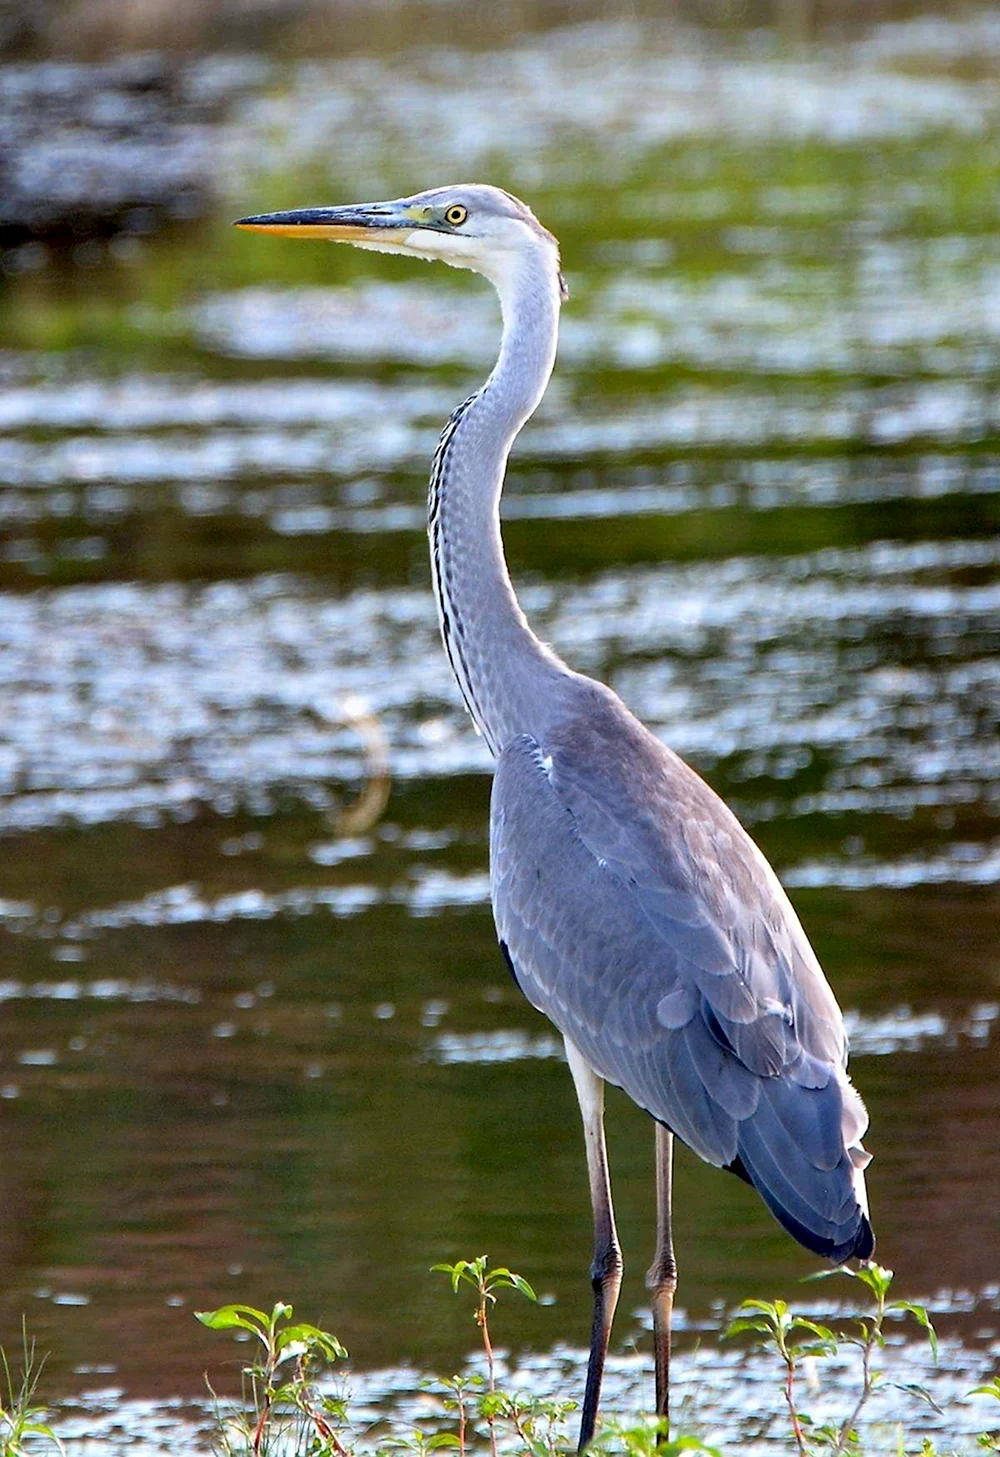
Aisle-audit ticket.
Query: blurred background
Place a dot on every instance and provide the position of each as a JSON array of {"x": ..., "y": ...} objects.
[{"x": 256, "y": 1041}]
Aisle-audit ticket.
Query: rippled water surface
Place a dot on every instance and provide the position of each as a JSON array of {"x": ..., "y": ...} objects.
[{"x": 255, "y": 1038}]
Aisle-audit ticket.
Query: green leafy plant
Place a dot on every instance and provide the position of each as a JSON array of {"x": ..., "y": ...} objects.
[
  {"x": 989, "y": 1440},
  {"x": 792, "y": 1336},
  {"x": 795, "y": 1337},
  {"x": 485, "y": 1282},
  {"x": 281, "y": 1407},
  {"x": 645, "y": 1438},
  {"x": 870, "y": 1338},
  {"x": 539, "y": 1427},
  {"x": 20, "y": 1419}
]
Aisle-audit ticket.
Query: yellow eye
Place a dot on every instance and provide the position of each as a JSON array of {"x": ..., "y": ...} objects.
[{"x": 456, "y": 215}]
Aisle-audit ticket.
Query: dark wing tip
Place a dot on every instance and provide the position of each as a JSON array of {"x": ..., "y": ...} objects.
[
  {"x": 857, "y": 1244},
  {"x": 864, "y": 1245}
]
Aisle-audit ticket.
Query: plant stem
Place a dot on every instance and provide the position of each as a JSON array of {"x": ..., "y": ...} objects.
[
  {"x": 261, "y": 1424},
  {"x": 873, "y": 1337},
  {"x": 484, "y": 1327},
  {"x": 866, "y": 1390},
  {"x": 461, "y": 1424},
  {"x": 800, "y": 1440},
  {"x": 258, "y": 1435}
]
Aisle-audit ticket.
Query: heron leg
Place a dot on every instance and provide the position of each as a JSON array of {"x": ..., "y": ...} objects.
[
  {"x": 606, "y": 1269},
  {"x": 661, "y": 1281}
]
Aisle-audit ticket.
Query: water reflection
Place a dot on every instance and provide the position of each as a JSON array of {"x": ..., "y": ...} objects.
[{"x": 867, "y": 685}]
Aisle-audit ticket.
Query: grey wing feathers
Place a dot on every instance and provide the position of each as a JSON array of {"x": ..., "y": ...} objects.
[{"x": 639, "y": 917}]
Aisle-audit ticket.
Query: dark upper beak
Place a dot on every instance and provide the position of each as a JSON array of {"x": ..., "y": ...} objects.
[{"x": 338, "y": 224}]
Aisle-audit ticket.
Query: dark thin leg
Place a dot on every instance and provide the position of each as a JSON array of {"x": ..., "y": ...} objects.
[
  {"x": 661, "y": 1281},
  {"x": 606, "y": 1270}
]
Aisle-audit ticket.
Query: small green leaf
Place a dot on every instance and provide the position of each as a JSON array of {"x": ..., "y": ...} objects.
[
  {"x": 876, "y": 1277},
  {"x": 517, "y": 1282},
  {"x": 916, "y": 1390},
  {"x": 818, "y": 1348},
  {"x": 745, "y": 1323},
  {"x": 309, "y": 1338},
  {"x": 288, "y": 1391},
  {"x": 229, "y": 1317},
  {"x": 825, "y": 1274},
  {"x": 823, "y": 1332},
  {"x": 922, "y": 1318},
  {"x": 773, "y": 1308},
  {"x": 456, "y": 1273}
]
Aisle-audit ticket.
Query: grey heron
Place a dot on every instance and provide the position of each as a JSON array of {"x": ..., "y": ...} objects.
[{"x": 631, "y": 906}]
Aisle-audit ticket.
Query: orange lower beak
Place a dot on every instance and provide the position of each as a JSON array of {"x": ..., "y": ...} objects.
[{"x": 335, "y": 224}]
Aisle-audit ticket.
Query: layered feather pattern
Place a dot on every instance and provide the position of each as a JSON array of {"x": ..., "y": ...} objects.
[{"x": 641, "y": 918}]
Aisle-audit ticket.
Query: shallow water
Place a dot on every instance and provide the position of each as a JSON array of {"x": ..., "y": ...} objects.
[{"x": 255, "y": 1039}]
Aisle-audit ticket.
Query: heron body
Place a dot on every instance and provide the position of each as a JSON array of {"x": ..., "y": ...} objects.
[{"x": 631, "y": 906}]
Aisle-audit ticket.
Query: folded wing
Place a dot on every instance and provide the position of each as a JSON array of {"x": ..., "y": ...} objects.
[{"x": 638, "y": 915}]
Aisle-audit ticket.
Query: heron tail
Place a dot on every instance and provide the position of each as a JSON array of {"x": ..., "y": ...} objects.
[{"x": 815, "y": 1186}]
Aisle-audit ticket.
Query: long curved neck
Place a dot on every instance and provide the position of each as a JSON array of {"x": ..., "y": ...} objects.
[{"x": 509, "y": 678}]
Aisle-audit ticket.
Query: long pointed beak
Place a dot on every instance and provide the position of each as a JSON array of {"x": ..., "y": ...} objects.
[{"x": 355, "y": 224}]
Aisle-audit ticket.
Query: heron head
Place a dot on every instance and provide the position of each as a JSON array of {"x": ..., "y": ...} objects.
[{"x": 469, "y": 226}]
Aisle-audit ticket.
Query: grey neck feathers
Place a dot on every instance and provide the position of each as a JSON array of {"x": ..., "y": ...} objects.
[{"x": 510, "y": 680}]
